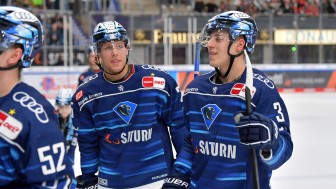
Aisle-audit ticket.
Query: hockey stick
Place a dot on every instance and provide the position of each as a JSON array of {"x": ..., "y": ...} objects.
[
  {"x": 197, "y": 59},
  {"x": 248, "y": 88}
]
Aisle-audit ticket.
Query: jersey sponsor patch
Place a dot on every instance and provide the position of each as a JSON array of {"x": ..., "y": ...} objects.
[
  {"x": 155, "y": 82},
  {"x": 79, "y": 95},
  {"x": 239, "y": 89},
  {"x": 9, "y": 126}
]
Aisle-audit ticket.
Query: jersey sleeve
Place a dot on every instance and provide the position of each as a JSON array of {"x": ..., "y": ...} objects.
[
  {"x": 185, "y": 158},
  {"x": 87, "y": 138},
  {"x": 173, "y": 116},
  {"x": 274, "y": 107}
]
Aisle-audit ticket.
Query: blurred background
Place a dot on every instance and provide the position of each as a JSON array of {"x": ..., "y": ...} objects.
[
  {"x": 163, "y": 32},
  {"x": 296, "y": 44}
]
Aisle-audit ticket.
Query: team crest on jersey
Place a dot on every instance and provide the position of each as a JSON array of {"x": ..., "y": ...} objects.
[
  {"x": 210, "y": 112},
  {"x": 239, "y": 89},
  {"x": 155, "y": 82},
  {"x": 125, "y": 110},
  {"x": 9, "y": 126}
]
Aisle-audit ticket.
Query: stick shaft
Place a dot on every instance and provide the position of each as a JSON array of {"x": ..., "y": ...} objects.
[
  {"x": 197, "y": 59},
  {"x": 248, "y": 98}
]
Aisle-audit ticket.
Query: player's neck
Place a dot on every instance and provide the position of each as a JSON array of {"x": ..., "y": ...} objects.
[
  {"x": 119, "y": 77},
  {"x": 8, "y": 79},
  {"x": 235, "y": 73}
]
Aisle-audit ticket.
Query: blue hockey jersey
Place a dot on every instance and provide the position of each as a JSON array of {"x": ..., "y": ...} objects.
[
  {"x": 70, "y": 135},
  {"x": 213, "y": 156},
  {"x": 83, "y": 77},
  {"x": 123, "y": 127},
  {"x": 32, "y": 147}
]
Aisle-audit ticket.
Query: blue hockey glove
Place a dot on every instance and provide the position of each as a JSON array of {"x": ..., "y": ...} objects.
[
  {"x": 257, "y": 131},
  {"x": 91, "y": 183},
  {"x": 176, "y": 182}
]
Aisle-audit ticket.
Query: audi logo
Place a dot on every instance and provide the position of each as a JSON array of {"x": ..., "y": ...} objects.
[
  {"x": 29, "y": 102},
  {"x": 24, "y": 16}
]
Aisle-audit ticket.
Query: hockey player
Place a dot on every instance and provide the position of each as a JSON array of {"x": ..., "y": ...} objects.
[
  {"x": 93, "y": 67},
  {"x": 32, "y": 148},
  {"x": 216, "y": 153},
  {"x": 63, "y": 107},
  {"x": 123, "y": 114}
]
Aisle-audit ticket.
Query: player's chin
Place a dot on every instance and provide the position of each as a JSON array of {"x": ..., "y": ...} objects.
[
  {"x": 213, "y": 63},
  {"x": 115, "y": 68}
]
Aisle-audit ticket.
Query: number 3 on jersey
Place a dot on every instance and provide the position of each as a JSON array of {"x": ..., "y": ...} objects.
[
  {"x": 280, "y": 117},
  {"x": 44, "y": 156}
]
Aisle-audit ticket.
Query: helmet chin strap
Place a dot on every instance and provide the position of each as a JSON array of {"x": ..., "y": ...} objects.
[
  {"x": 232, "y": 57},
  {"x": 19, "y": 64}
]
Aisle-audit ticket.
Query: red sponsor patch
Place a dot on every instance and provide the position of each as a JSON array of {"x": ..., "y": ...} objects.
[
  {"x": 237, "y": 88},
  {"x": 79, "y": 95},
  {"x": 148, "y": 82},
  {"x": 3, "y": 117}
]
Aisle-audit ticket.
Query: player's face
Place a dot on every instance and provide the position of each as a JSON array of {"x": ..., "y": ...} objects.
[
  {"x": 64, "y": 110},
  {"x": 113, "y": 56},
  {"x": 218, "y": 49},
  {"x": 3, "y": 58}
]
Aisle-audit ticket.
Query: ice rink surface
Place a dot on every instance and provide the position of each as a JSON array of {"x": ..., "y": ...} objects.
[{"x": 313, "y": 128}]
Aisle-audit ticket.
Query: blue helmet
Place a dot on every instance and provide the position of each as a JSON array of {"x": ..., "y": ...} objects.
[
  {"x": 64, "y": 96},
  {"x": 108, "y": 31},
  {"x": 19, "y": 26},
  {"x": 236, "y": 23}
]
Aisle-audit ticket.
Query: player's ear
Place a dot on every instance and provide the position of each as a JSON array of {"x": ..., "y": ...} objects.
[
  {"x": 240, "y": 44},
  {"x": 15, "y": 56}
]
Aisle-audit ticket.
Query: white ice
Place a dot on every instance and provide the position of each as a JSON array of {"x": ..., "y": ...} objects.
[{"x": 313, "y": 128}]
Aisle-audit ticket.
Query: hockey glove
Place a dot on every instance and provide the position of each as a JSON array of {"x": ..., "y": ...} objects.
[
  {"x": 257, "y": 131},
  {"x": 176, "y": 182},
  {"x": 91, "y": 183}
]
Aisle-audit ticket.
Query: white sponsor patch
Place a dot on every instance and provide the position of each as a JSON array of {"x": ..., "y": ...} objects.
[{"x": 9, "y": 126}]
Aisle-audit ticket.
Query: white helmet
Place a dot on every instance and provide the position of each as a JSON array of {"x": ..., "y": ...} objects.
[{"x": 64, "y": 97}]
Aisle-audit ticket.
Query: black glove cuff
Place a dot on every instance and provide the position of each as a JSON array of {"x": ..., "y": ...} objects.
[
  {"x": 91, "y": 183},
  {"x": 176, "y": 182}
]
